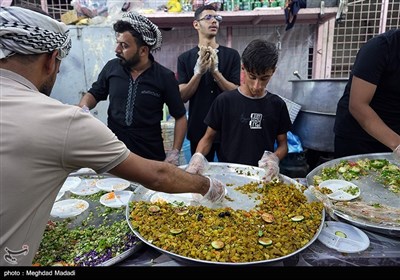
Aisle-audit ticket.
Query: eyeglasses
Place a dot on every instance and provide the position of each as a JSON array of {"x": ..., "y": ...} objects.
[{"x": 209, "y": 17}]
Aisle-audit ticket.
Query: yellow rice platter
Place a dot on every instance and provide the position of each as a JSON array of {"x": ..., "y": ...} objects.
[{"x": 255, "y": 224}]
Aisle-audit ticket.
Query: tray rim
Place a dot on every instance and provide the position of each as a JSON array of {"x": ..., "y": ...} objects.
[{"x": 309, "y": 195}]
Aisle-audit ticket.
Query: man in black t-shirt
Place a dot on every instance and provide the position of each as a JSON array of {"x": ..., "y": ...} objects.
[
  {"x": 368, "y": 113},
  {"x": 137, "y": 88},
  {"x": 204, "y": 72},
  {"x": 249, "y": 119}
]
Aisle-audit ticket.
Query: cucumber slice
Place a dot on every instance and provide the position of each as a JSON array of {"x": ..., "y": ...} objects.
[
  {"x": 340, "y": 234},
  {"x": 265, "y": 241},
  {"x": 342, "y": 169},
  {"x": 217, "y": 244},
  {"x": 298, "y": 218},
  {"x": 175, "y": 231},
  {"x": 378, "y": 163},
  {"x": 154, "y": 208},
  {"x": 182, "y": 211},
  {"x": 355, "y": 169}
]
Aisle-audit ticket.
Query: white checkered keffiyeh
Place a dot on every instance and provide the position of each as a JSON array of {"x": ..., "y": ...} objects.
[
  {"x": 25, "y": 31},
  {"x": 151, "y": 35}
]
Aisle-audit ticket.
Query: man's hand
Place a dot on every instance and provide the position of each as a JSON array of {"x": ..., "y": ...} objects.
[
  {"x": 201, "y": 67},
  {"x": 214, "y": 60},
  {"x": 216, "y": 192},
  {"x": 270, "y": 162},
  {"x": 172, "y": 156},
  {"x": 203, "y": 61},
  {"x": 198, "y": 164}
]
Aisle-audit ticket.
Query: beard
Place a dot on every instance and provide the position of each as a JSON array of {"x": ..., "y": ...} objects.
[
  {"x": 47, "y": 86},
  {"x": 130, "y": 63}
]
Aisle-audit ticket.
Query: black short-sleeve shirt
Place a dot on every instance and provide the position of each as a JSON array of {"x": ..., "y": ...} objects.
[
  {"x": 208, "y": 89},
  {"x": 136, "y": 106},
  {"x": 247, "y": 126},
  {"x": 377, "y": 62}
]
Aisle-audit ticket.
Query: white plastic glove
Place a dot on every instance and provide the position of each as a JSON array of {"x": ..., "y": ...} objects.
[
  {"x": 201, "y": 67},
  {"x": 172, "y": 156},
  {"x": 214, "y": 60},
  {"x": 396, "y": 153},
  {"x": 198, "y": 164},
  {"x": 203, "y": 61},
  {"x": 216, "y": 192},
  {"x": 270, "y": 162}
]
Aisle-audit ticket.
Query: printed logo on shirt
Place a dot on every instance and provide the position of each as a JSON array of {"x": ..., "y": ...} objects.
[
  {"x": 151, "y": 93},
  {"x": 255, "y": 121},
  {"x": 10, "y": 254}
]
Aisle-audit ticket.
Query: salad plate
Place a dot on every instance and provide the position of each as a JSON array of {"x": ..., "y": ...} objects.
[
  {"x": 116, "y": 199},
  {"x": 86, "y": 187},
  {"x": 70, "y": 183},
  {"x": 340, "y": 190},
  {"x": 69, "y": 208},
  {"x": 112, "y": 184}
]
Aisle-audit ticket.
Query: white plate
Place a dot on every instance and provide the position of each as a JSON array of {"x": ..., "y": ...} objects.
[
  {"x": 86, "y": 171},
  {"x": 116, "y": 199},
  {"x": 338, "y": 188},
  {"x": 86, "y": 187},
  {"x": 59, "y": 195},
  {"x": 70, "y": 183},
  {"x": 186, "y": 198},
  {"x": 69, "y": 208},
  {"x": 112, "y": 184},
  {"x": 332, "y": 236}
]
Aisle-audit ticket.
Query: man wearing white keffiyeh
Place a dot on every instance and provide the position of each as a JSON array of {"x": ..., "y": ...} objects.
[
  {"x": 27, "y": 32},
  {"x": 149, "y": 32},
  {"x": 137, "y": 88}
]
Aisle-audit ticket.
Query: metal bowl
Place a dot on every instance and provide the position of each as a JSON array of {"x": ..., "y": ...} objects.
[
  {"x": 371, "y": 192},
  {"x": 234, "y": 175},
  {"x": 318, "y": 100}
]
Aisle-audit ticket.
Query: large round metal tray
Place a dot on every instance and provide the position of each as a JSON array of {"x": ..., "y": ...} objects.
[
  {"x": 371, "y": 192},
  {"x": 95, "y": 209},
  {"x": 234, "y": 175}
]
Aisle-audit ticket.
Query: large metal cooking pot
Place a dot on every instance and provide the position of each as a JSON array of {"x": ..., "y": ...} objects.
[{"x": 318, "y": 99}]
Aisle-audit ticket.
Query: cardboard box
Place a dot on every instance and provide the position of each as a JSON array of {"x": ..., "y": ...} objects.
[{"x": 71, "y": 17}]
